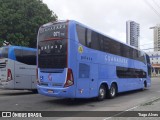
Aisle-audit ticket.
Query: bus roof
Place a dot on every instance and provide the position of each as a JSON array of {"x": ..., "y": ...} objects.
[
  {"x": 76, "y": 22},
  {"x": 19, "y": 47}
]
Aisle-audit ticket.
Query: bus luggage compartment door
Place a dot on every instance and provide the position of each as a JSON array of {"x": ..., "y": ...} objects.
[
  {"x": 23, "y": 75},
  {"x": 33, "y": 82},
  {"x": 93, "y": 80},
  {"x": 22, "y": 82},
  {"x": 86, "y": 82}
]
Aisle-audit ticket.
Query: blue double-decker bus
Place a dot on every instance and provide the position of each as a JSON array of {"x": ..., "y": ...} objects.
[{"x": 75, "y": 61}]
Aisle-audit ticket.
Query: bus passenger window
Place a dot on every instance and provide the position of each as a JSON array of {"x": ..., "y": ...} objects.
[
  {"x": 4, "y": 52},
  {"x": 95, "y": 43},
  {"x": 81, "y": 34},
  {"x": 89, "y": 33}
]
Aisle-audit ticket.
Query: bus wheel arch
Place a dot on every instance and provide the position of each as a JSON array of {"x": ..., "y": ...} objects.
[
  {"x": 112, "y": 92},
  {"x": 102, "y": 92},
  {"x": 145, "y": 84}
]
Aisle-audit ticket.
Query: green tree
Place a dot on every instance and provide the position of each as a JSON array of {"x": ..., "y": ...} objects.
[{"x": 21, "y": 19}]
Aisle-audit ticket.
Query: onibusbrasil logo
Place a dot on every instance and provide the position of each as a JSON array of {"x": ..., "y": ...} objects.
[{"x": 20, "y": 115}]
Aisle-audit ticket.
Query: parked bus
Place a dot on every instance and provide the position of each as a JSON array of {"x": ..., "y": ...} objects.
[
  {"x": 75, "y": 61},
  {"x": 18, "y": 68}
]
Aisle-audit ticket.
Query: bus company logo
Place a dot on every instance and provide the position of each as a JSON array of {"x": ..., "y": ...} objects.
[
  {"x": 50, "y": 77},
  {"x": 55, "y": 27},
  {"x": 80, "y": 49},
  {"x": 109, "y": 58}
]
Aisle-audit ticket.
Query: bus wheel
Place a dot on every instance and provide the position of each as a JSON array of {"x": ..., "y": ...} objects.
[
  {"x": 34, "y": 91},
  {"x": 102, "y": 93},
  {"x": 112, "y": 91}
]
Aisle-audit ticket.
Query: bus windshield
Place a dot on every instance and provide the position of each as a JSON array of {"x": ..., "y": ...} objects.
[
  {"x": 52, "y": 46},
  {"x": 3, "y": 52}
]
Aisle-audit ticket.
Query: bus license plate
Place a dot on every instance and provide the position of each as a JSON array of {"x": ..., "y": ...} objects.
[{"x": 50, "y": 91}]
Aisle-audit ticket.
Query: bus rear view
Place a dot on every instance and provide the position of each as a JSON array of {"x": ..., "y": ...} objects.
[
  {"x": 75, "y": 61},
  {"x": 53, "y": 74},
  {"x": 5, "y": 74}
]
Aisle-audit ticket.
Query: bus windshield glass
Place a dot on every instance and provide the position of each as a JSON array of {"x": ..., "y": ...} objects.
[
  {"x": 3, "y": 52},
  {"x": 52, "y": 46}
]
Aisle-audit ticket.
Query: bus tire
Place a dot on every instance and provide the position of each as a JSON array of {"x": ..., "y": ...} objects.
[
  {"x": 34, "y": 91},
  {"x": 102, "y": 93},
  {"x": 112, "y": 92}
]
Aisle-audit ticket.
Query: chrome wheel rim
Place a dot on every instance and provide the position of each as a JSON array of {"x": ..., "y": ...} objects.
[
  {"x": 113, "y": 91},
  {"x": 102, "y": 92}
]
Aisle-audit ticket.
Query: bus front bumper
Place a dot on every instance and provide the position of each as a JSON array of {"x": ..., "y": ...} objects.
[{"x": 56, "y": 92}]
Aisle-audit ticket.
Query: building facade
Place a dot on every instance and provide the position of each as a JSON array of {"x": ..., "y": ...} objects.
[
  {"x": 156, "y": 34},
  {"x": 132, "y": 33},
  {"x": 155, "y": 61}
]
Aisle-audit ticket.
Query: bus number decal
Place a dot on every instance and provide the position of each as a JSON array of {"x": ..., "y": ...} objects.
[{"x": 56, "y": 34}]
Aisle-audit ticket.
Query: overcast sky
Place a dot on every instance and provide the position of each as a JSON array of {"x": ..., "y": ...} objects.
[{"x": 110, "y": 16}]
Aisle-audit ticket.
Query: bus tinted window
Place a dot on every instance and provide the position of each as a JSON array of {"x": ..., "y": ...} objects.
[
  {"x": 89, "y": 37},
  {"x": 142, "y": 57},
  {"x": 99, "y": 42},
  {"x": 125, "y": 51},
  {"x": 25, "y": 56},
  {"x": 52, "y": 46},
  {"x": 95, "y": 44},
  {"x": 81, "y": 34},
  {"x": 105, "y": 43},
  {"x": 52, "y": 54},
  {"x": 29, "y": 57},
  {"x": 114, "y": 47},
  {"x": 4, "y": 52},
  {"x": 135, "y": 54},
  {"x": 18, "y": 55},
  {"x": 123, "y": 72}
]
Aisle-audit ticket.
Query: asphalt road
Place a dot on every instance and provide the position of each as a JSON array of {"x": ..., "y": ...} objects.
[{"x": 16, "y": 100}]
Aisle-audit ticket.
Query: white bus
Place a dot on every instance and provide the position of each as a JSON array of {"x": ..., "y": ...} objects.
[{"x": 18, "y": 68}]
